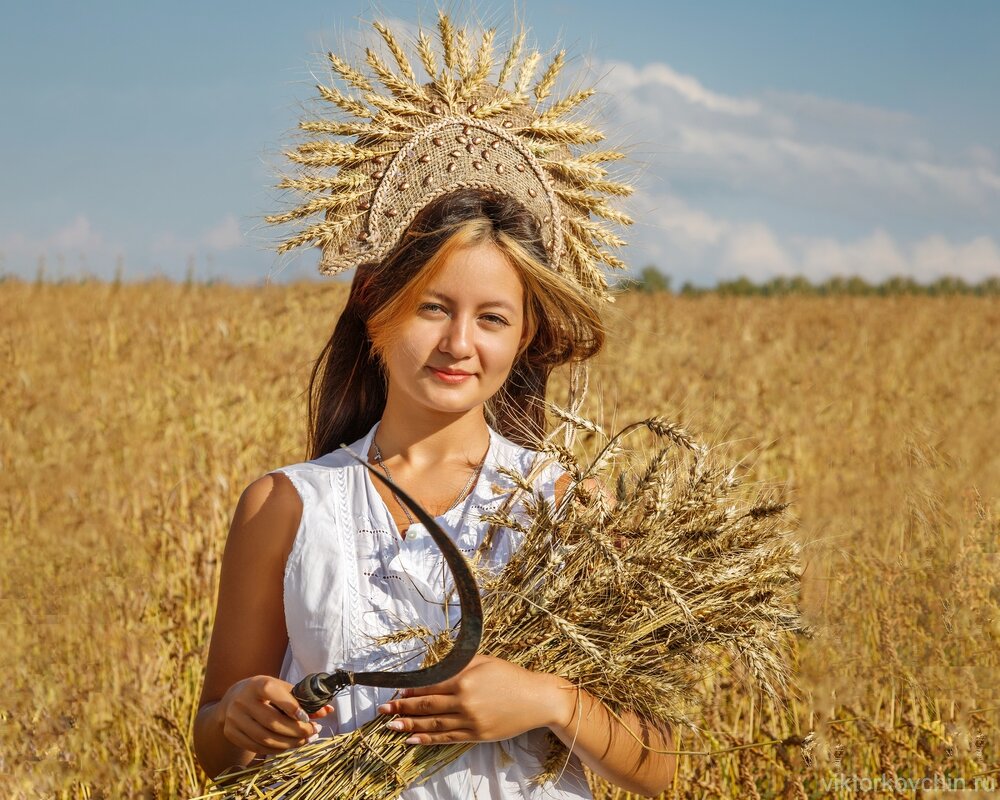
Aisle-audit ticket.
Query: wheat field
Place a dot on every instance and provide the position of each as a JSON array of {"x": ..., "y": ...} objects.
[{"x": 133, "y": 416}]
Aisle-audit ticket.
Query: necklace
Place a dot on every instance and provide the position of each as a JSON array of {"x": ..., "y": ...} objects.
[{"x": 459, "y": 496}]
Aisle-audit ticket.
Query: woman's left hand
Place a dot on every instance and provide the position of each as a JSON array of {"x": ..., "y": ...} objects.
[{"x": 491, "y": 699}]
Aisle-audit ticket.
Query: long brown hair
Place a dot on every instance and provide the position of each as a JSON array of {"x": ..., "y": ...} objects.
[{"x": 347, "y": 389}]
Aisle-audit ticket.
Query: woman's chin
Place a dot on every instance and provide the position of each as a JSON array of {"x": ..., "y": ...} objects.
[{"x": 453, "y": 401}]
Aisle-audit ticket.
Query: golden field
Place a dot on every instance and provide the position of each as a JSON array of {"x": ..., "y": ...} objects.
[{"x": 134, "y": 415}]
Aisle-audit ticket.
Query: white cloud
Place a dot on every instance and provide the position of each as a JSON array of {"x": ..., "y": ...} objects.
[
  {"x": 77, "y": 235},
  {"x": 973, "y": 260},
  {"x": 624, "y": 77},
  {"x": 224, "y": 236},
  {"x": 77, "y": 245},
  {"x": 692, "y": 244},
  {"x": 799, "y": 150},
  {"x": 67, "y": 249},
  {"x": 753, "y": 250},
  {"x": 74, "y": 237},
  {"x": 831, "y": 111},
  {"x": 876, "y": 257},
  {"x": 167, "y": 245},
  {"x": 981, "y": 156},
  {"x": 792, "y": 169},
  {"x": 689, "y": 228}
]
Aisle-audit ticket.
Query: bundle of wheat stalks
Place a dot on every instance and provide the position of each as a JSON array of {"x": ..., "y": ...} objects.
[{"x": 634, "y": 595}]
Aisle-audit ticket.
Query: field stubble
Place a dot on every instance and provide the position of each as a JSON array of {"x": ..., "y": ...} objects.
[{"x": 134, "y": 415}]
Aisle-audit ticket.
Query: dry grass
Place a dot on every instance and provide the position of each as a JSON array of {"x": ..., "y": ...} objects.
[{"x": 133, "y": 416}]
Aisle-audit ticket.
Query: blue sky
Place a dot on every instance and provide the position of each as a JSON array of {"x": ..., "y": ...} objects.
[{"x": 768, "y": 138}]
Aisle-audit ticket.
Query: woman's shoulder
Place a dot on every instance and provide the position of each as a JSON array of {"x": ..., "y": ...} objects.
[
  {"x": 272, "y": 493},
  {"x": 318, "y": 472},
  {"x": 267, "y": 516},
  {"x": 335, "y": 459},
  {"x": 276, "y": 501}
]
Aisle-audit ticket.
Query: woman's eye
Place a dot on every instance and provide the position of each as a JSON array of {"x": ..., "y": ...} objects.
[{"x": 493, "y": 319}]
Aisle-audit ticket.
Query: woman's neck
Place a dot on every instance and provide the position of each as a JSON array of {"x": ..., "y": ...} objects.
[{"x": 424, "y": 440}]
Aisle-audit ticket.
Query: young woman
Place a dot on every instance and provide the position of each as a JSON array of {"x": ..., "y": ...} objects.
[{"x": 436, "y": 373}]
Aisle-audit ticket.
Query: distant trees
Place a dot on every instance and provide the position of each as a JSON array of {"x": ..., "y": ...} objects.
[{"x": 650, "y": 279}]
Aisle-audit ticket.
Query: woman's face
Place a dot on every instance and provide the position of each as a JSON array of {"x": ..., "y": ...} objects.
[{"x": 458, "y": 344}]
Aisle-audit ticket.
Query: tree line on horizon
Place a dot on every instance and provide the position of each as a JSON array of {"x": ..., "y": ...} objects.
[{"x": 651, "y": 279}]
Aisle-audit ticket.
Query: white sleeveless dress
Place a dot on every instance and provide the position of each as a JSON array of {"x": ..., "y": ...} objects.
[{"x": 350, "y": 577}]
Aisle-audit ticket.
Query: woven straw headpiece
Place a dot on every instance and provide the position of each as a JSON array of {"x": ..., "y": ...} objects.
[{"x": 395, "y": 152}]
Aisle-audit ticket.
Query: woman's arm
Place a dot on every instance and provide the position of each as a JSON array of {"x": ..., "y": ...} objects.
[
  {"x": 244, "y": 709},
  {"x": 622, "y": 751}
]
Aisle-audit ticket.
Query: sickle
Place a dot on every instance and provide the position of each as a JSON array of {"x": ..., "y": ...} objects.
[{"x": 315, "y": 690}]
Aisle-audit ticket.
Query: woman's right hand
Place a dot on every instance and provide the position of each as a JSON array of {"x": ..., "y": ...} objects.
[{"x": 260, "y": 715}]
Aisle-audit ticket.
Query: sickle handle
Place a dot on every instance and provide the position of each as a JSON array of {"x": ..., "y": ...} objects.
[{"x": 315, "y": 690}]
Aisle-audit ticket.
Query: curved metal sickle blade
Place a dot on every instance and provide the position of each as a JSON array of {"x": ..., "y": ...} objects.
[{"x": 315, "y": 690}]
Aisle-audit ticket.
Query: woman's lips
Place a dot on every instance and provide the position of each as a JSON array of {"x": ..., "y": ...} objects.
[{"x": 450, "y": 377}]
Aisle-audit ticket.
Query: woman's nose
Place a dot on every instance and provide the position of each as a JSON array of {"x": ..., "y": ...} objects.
[{"x": 458, "y": 337}]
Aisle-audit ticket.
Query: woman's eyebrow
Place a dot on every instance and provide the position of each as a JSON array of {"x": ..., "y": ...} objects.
[{"x": 489, "y": 303}]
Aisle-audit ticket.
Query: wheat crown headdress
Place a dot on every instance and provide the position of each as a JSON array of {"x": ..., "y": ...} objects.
[{"x": 396, "y": 152}]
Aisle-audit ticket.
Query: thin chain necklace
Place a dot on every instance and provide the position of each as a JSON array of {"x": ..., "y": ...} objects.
[{"x": 459, "y": 496}]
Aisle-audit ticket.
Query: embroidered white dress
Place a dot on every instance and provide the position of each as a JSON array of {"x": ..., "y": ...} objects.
[{"x": 350, "y": 578}]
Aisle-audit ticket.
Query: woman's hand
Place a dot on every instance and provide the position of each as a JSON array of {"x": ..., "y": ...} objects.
[
  {"x": 490, "y": 700},
  {"x": 259, "y": 714}
]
